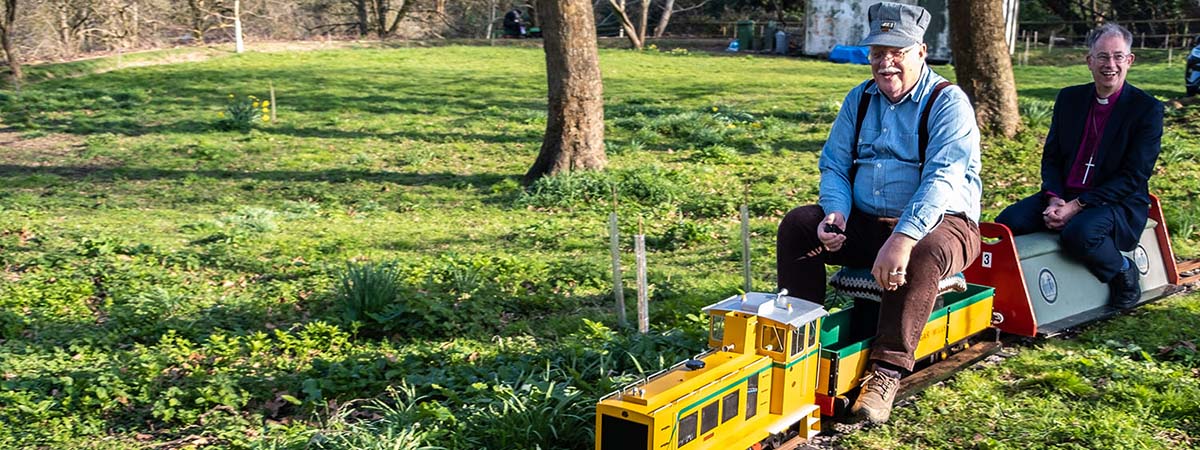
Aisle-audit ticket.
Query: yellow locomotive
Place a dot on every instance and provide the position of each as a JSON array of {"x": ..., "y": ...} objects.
[
  {"x": 756, "y": 383},
  {"x": 775, "y": 365}
]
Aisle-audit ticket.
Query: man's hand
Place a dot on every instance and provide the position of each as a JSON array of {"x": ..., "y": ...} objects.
[
  {"x": 832, "y": 240},
  {"x": 1057, "y": 218},
  {"x": 1055, "y": 203},
  {"x": 891, "y": 264}
]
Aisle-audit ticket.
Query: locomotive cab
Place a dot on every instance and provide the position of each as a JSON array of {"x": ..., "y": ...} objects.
[{"x": 755, "y": 384}]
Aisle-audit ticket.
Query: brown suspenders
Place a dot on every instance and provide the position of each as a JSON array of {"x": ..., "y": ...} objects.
[{"x": 864, "y": 102}]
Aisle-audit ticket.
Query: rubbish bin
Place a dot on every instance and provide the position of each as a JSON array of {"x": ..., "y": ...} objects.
[
  {"x": 768, "y": 37},
  {"x": 781, "y": 43},
  {"x": 745, "y": 34}
]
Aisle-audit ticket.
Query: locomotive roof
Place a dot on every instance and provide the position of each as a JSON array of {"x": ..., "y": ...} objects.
[{"x": 792, "y": 311}]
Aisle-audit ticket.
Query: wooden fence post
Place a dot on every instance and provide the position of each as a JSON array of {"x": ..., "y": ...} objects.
[{"x": 746, "y": 248}]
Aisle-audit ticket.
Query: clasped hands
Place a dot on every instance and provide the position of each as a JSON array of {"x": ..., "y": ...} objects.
[{"x": 1059, "y": 212}]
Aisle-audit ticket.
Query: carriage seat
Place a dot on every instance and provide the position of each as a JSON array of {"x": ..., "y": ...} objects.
[{"x": 857, "y": 282}]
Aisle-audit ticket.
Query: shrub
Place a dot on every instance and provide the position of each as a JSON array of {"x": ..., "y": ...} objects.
[
  {"x": 684, "y": 233},
  {"x": 541, "y": 415},
  {"x": 708, "y": 206},
  {"x": 1036, "y": 112},
  {"x": 241, "y": 114},
  {"x": 643, "y": 186},
  {"x": 716, "y": 154},
  {"x": 370, "y": 293},
  {"x": 401, "y": 424},
  {"x": 567, "y": 190}
]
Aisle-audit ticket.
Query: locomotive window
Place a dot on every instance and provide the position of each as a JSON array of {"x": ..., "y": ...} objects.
[
  {"x": 729, "y": 406},
  {"x": 797, "y": 340},
  {"x": 772, "y": 339},
  {"x": 812, "y": 333},
  {"x": 716, "y": 327},
  {"x": 708, "y": 417},
  {"x": 687, "y": 429},
  {"x": 751, "y": 396}
]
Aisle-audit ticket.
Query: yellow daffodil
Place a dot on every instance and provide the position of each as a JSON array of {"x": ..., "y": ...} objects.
[
  {"x": 714, "y": 109},
  {"x": 231, "y": 95},
  {"x": 266, "y": 111},
  {"x": 254, "y": 105},
  {"x": 221, "y": 115},
  {"x": 266, "y": 103},
  {"x": 266, "y": 118}
]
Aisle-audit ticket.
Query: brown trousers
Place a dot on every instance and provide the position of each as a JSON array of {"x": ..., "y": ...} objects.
[{"x": 948, "y": 249}]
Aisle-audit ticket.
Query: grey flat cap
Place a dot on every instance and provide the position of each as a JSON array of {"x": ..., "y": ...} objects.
[{"x": 896, "y": 25}]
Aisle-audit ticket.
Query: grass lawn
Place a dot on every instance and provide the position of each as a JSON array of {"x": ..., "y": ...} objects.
[{"x": 174, "y": 278}]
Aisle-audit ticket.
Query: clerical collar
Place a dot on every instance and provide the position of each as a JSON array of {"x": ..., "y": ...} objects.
[{"x": 1111, "y": 97}]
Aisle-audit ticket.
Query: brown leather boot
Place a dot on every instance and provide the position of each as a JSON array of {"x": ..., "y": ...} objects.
[{"x": 875, "y": 397}]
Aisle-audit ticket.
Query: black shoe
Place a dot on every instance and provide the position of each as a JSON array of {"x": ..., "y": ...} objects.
[{"x": 1124, "y": 289}]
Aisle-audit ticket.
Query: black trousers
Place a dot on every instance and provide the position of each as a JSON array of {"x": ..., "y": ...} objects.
[
  {"x": 1088, "y": 237},
  {"x": 948, "y": 249}
]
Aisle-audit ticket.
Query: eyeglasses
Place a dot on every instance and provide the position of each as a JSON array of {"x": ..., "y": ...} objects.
[
  {"x": 1105, "y": 57},
  {"x": 877, "y": 55}
]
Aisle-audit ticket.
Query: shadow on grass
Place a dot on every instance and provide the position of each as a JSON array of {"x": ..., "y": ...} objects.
[{"x": 94, "y": 174}]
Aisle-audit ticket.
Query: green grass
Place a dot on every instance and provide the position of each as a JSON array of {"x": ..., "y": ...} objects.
[{"x": 165, "y": 281}]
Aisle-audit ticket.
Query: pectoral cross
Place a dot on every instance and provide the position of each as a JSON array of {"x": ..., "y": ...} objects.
[{"x": 1088, "y": 169}]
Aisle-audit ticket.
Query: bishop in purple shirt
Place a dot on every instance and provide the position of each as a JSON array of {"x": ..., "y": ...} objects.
[{"x": 1100, "y": 152}]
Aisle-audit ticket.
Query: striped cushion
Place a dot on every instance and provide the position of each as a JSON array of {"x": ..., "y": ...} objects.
[{"x": 857, "y": 282}]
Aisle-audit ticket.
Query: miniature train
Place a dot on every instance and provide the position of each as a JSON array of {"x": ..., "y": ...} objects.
[{"x": 777, "y": 364}]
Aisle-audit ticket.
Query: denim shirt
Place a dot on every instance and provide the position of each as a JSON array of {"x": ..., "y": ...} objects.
[{"x": 888, "y": 182}]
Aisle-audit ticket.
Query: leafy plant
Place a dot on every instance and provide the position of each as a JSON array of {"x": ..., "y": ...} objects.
[
  {"x": 685, "y": 233},
  {"x": 370, "y": 293},
  {"x": 242, "y": 113},
  {"x": 716, "y": 154},
  {"x": 541, "y": 415},
  {"x": 399, "y": 423},
  {"x": 1036, "y": 112}
]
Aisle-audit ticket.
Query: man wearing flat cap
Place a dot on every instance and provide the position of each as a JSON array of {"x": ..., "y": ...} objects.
[{"x": 899, "y": 193}]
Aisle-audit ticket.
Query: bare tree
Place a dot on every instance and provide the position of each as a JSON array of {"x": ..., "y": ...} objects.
[
  {"x": 635, "y": 32},
  {"x": 70, "y": 20},
  {"x": 668, "y": 10},
  {"x": 7, "y": 21},
  {"x": 574, "y": 137},
  {"x": 982, "y": 63},
  {"x": 383, "y": 10}
]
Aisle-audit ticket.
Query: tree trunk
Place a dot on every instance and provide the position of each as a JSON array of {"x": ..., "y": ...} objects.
[
  {"x": 360, "y": 10},
  {"x": 643, "y": 21},
  {"x": 6, "y": 40},
  {"x": 239, "y": 46},
  {"x": 664, "y": 18},
  {"x": 380, "y": 19},
  {"x": 626, "y": 24},
  {"x": 400, "y": 13},
  {"x": 575, "y": 125},
  {"x": 491, "y": 20},
  {"x": 982, "y": 64}
]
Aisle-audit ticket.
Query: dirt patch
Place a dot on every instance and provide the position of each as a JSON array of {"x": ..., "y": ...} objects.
[{"x": 58, "y": 152}]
